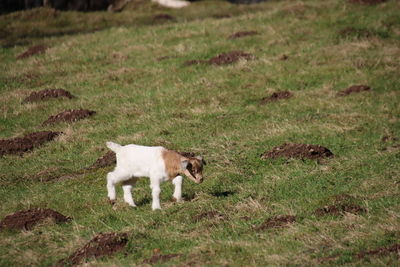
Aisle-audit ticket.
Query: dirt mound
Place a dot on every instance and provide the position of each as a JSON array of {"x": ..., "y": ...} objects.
[
  {"x": 354, "y": 89},
  {"x": 47, "y": 93},
  {"x": 103, "y": 244},
  {"x": 108, "y": 159},
  {"x": 380, "y": 251},
  {"x": 37, "y": 49},
  {"x": 229, "y": 58},
  {"x": 276, "y": 96},
  {"x": 159, "y": 258},
  {"x": 30, "y": 141},
  {"x": 298, "y": 151},
  {"x": 160, "y": 18},
  {"x": 242, "y": 34},
  {"x": 221, "y": 59},
  {"x": 207, "y": 215},
  {"x": 354, "y": 32},
  {"x": 367, "y": 2},
  {"x": 341, "y": 203},
  {"x": 69, "y": 116},
  {"x": 26, "y": 220},
  {"x": 276, "y": 222}
]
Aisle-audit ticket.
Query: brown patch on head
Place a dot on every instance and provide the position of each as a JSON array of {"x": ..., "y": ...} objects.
[{"x": 173, "y": 165}]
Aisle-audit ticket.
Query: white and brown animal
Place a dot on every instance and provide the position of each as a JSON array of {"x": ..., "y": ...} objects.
[{"x": 155, "y": 162}]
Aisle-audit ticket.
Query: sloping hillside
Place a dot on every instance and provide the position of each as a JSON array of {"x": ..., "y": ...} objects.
[{"x": 294, "y": 105}]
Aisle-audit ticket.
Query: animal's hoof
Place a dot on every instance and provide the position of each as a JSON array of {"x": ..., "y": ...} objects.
[{"x": 112, "y": 202}]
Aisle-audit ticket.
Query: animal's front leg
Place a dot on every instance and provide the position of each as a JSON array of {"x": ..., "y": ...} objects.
[
  {"x": 177, "y": 181},
  {"x": 155, "y": 193},
  {"x": 127, "y": 187}
]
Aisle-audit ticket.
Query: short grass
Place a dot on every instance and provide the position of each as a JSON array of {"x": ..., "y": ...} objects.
[{"x": 109, "y": 61}]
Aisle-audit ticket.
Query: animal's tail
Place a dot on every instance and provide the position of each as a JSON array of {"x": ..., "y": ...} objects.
[{"x": 113, "y": 146}]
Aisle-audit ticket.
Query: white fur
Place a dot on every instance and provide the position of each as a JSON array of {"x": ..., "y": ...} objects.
[
  {"x": 134, "y": 161},
  {"x": 172, "y": 3}
]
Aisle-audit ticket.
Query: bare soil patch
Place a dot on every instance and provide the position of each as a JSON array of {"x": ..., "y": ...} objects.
[
  {"x": 103, "y": 244},
  {"x": 69, "y": 116},
  {"x": 276, "y": 96},
  {"x": 47, "y": 93},
  {"x": 160, "y": 258},
  {"x": 354, "y": 32},
  {"x": 37, "y": 49},
  {"x": 354, "y": 89},
  {"x": 221, "y": 59},
  {"x": 380, "y": 251},
  {"x": 367, "y": 2},
  {"x": 26, "y": 143},
  {"x": 161, "y": 18},
  {"x": 229, "y": 58},
  {"x": 276, "y": 222},
  {"x": 208, "y": 215},
  {"x": 26, "y": 220},
  {"x": 298, "y": 151},
  {"x": 107, "y": 160},
  {"x": 341, "y": 204},
  {"x": 242, "y": 34}
]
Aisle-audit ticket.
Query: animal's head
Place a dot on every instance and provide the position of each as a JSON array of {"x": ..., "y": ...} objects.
[{"x": 193, "y": 168}]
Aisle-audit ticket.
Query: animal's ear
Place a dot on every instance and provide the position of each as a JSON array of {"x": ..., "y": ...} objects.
[
  {"x": 201, "y": 159},
  {"x": 184, "y": 163}
]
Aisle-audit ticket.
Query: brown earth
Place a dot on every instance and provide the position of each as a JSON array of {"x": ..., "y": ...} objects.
[
  {"x": 351, "y": 31},
  {"x": 26, "y": 220},
  {"x": 163, "y": 18},
  {"x": 108, "y": 159},
  {"x": 341, "y": 204},
  {"x": 103, "y": 244},
  {"x": 207, "y": 215},
  {"x": 159, "y": 258},
  {"x": 221, "y": 59},
  {"x": 221, "y": 16},
  {"x": 47, "y": 93},
  {"x": 298, "y": 151},
  {"x": 367, "y": 2},
  {"x": 69, "y": 116},
  {"x": 229, "y": 58},
  {"x": 276, "y": 96},
  {"x": 28, "y": 142},
  {"x": 276, "y": 222},
  {"x": 354, "y": 89},
  {"x": 284, "y": 57},
  {"x": 194, "y": 62},
  {"x": 380, "y": 251},
  {"x": 242, "y": 34},
  {"x": 38, "y": 49}
]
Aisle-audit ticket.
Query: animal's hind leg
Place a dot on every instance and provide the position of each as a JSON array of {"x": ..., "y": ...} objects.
[
  {"x": 127, "y": 187},
  {"x": 113, "y": 178}
]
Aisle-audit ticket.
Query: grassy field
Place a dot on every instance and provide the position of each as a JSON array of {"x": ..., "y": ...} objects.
[{"x": 109, "y": 62}]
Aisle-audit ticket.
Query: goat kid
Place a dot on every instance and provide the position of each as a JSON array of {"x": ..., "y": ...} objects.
[{"x": 157, "y": 163}]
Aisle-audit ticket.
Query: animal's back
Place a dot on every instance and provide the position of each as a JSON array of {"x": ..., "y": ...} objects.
[{"x": 139, "y": 160}]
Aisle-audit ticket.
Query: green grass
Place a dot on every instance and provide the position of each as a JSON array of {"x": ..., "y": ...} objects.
[{"x": 215, "y": 112}]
